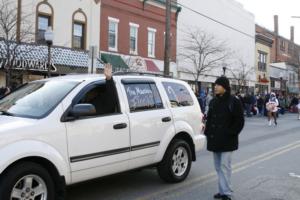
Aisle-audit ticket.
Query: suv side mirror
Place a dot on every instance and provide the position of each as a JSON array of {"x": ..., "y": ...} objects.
[{"x": 81, "y": 110}]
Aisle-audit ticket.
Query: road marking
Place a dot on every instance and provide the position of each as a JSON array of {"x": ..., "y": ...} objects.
[
  {"x": 294, "y": 175},
  {"x": 176, "y": 190}
]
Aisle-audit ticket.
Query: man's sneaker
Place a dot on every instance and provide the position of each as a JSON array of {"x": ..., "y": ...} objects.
[
  {"x": 224, "y": 197},
  {"x": 218, "y": 196}
]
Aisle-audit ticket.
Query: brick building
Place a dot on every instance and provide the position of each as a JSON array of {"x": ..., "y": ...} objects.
[
  {"x": 132, "y": 34},
  {"x": 286, "y": 52}
]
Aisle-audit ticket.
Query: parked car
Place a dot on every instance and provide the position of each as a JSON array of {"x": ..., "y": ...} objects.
[{"x": 60, "y": 131}]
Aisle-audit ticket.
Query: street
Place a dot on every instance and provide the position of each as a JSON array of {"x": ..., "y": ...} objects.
[{"x": 266, "y": 167}]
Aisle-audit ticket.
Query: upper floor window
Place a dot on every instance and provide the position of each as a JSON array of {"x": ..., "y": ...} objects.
[
  {"x": 151, "y": 42},
  {"x": 44, "y": 19},
  {"x": 262, "y": 61},
  {"x": 79, "y": 30},
  {"x": 291, "y": 49},
  {"x": 133, "y": 38},
  {"x": 113, "y": 34},
  {"x": 44, "y": 22},
  {"x": 78, "y": 35},
  {"x": 282, "y": 45}
]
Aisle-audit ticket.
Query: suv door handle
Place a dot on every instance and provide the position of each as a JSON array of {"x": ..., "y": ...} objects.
[
  {"x": 120, "y": 126},
  {"x": 166, "y": 119}
]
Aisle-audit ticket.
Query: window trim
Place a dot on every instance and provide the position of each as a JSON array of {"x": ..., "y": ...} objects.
[
  {"x": 85, "y": 24},
  {"x": 136, "y": 26},
  {"x": 38, "y": 13},
  {"x": 153, "y": 31},
  {"x": 116, "y": 22}
]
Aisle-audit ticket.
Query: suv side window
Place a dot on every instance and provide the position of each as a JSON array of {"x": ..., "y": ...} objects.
[
  {"x": 103, "y": 98},
  {"x": 178, "y": 94},
  {"x": 143, "y": 96}
]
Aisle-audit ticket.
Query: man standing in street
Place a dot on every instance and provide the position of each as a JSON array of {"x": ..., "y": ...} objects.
[{"x": 225, "y": 121}]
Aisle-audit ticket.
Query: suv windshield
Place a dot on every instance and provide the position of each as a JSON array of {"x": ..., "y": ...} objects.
[{"x": 36, "y": 99}]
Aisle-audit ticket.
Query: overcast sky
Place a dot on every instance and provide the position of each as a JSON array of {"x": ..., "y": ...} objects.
[{"x": 264, "y": 10}]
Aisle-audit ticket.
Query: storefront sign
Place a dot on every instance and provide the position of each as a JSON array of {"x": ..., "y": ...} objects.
[{"x": 28, "y": 65}]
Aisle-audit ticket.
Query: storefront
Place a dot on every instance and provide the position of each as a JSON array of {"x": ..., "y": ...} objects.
[{"x": 33, "y": 65}]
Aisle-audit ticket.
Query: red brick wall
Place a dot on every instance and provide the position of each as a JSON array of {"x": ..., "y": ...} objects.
[
  {"x": 134, "y": 12},
  {"x": 282, "y": 55}
]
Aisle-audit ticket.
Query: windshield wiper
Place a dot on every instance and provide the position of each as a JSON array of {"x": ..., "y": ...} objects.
[{"x": 3, "y": 112}]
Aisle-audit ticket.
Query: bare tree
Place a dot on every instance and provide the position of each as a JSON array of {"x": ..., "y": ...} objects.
[
  {"x": 10, "y": 49},
  {"x": 203, "y": 52},
  {"x": 241, "y": 74}
]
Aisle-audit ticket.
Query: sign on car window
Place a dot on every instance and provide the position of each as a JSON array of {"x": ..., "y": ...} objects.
[
  {"x": 178, "y": 94},
  {"x": 143, "y": 96}
]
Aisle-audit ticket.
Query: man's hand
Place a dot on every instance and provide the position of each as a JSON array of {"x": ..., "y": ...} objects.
[{"x": 108, "y": 71}]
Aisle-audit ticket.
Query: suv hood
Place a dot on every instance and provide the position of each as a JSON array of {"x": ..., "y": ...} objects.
[{"x": 8, "y": 123}]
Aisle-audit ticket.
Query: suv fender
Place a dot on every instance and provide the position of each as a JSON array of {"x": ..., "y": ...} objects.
[
  {"x": 32, "y": 148},
  {"x": 180, "y": 126}
]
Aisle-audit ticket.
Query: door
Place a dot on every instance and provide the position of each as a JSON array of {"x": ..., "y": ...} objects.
[
  {"x": 150, "y": 120},
  {"x": 99, "y": 144}
]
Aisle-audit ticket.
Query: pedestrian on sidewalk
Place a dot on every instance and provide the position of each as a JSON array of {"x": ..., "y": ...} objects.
[
  {"x": 260, "y": 105},
  {"x": 272, "y": 108},
  {"x": 225, "y": 121}
]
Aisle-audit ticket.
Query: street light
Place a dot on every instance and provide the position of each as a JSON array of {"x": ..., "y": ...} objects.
[
  {"x": 224, "y": 69},
  {"x": 49, "y": 36}
]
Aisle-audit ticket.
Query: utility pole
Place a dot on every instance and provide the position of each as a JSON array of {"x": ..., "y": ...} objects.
[
  {"x": 19, "y": 13},
  {"x": 167, "y": 39}
]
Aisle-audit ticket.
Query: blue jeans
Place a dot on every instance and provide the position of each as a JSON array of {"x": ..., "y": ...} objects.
[{"x": 223, "y": 167}]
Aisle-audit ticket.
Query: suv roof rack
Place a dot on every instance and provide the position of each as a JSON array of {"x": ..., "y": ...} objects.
[{"x": 141, "y": 74}]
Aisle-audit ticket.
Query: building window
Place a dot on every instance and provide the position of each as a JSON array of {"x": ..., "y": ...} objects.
[
  {"x": 262, "y": 61},
  {"x": 79, "y": 26},
  {"x": 44, "y": 21},
  {"x": 151, "y": 42},
  {"x": 113, "y": 34},
  {"x": 78, "y": 35},
  {"x": 290, "y": 49},
  {"x": 272, "y": 83},
  {"x": 282, "y": 45},
  {"x": 133, "y": 38}
]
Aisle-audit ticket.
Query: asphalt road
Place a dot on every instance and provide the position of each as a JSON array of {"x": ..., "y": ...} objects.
[{"x": 266, "y": 167}]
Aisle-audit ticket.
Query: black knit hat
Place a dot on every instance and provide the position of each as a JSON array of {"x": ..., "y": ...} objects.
[{"x": 224, "y": 82}]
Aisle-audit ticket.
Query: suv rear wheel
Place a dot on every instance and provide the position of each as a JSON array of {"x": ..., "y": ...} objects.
[
  {"x": 176, "y": 163},
  {"x": 27, "y": 181}
]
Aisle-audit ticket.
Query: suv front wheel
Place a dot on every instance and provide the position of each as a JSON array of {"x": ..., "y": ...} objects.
[
  {"x": 27, "y": 181},
  {"x": 176, "y": 163}
]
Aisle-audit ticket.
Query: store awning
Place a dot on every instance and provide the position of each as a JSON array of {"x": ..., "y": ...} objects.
[
  {"x": 151, "y": 66},
  {"x": 115, "y": 60},
  {"x": 35, "y": 58}
]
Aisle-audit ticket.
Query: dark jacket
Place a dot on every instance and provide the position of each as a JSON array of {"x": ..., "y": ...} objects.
[
  {"x": 106, "y": 100},
  {"x": 225, "y": 121}
]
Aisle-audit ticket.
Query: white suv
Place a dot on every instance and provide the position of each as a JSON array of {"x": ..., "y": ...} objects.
[{"x": 65, "y": 130}]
